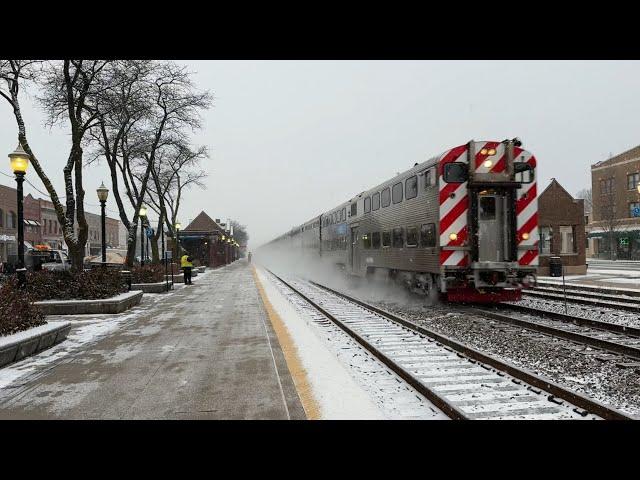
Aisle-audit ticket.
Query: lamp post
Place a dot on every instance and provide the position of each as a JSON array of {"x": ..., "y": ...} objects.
[
  {"x": 143, "y": 213},
  {"x": 178, "y": 227},
  {"x": 103, "y": 193},
  {"x": 19, "y": 160}
]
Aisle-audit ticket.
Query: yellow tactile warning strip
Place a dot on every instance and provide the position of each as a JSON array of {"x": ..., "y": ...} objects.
[{"x": 298, "y": 373}]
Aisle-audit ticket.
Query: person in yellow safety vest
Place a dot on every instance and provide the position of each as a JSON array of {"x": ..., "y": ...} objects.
[{"x": 185, "y": 263}]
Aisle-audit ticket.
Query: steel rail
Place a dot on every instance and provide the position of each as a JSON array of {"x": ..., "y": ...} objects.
[
  {"x": 575, "y": 297},
  {"x": 450, "y": 410},
  {"x": 519, "y": 373}
]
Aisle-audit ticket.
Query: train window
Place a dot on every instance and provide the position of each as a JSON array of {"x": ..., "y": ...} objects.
[
  {"x": 398, "y": 237},
  {"x": 412, "y": 236},
  {"x": 487, "y": 208},
  {"x": 367, "y": 204},
  {"x": 375, "y": 240},
  {"x": 344, "y": 214},
  {"x": 411, "y": 187},
  {"x": 428, "y": 235},
  {"x": 523, "y": 172},
  {"x": 428, "y": 178},
  {"x": 397, "y": 193},
  {"x": 375, "y": 201},
  {"x": 366, "y": 241},
  {"x": 386, "y": 239},
  {"x": 455, "y": 172},
  {"x": 354, "y": 209},
  {"x": 385, "y": 197}
]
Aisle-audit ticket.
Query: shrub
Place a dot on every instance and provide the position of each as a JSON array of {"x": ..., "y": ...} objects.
[
  {"x": 95, "y": 284},
  {"x": 147, "y": 274},
  {"x": 17, "y": 311}
]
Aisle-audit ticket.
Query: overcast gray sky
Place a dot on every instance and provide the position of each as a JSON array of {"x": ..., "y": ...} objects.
[{"x": 290, "y": 139}]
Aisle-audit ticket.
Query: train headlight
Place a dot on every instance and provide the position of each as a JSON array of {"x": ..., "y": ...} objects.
[
  {"x": 453, "y": 237},
  {"x": 492, "y": 151},
  {"x": 525, "y": 236},
  {"x": 488, "y": 163}
]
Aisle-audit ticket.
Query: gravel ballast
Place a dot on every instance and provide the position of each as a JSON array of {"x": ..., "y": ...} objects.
[{"x": 585, "y": 370}]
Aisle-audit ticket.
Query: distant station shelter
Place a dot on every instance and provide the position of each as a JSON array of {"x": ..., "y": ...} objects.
[
  {"x": 206, "y": 241},
  {"x": 561, "y": 225}
]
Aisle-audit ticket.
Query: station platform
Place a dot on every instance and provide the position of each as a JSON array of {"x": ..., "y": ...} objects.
[
  {"x": 604, "y": 274},
  {"x": 205, "y": 351}
]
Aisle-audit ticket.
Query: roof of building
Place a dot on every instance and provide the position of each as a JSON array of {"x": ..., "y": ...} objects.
[
  {"x": 203, "y": 223},
  {"x": 555, "y": 184},
  {"x": 631, "y": 153}
]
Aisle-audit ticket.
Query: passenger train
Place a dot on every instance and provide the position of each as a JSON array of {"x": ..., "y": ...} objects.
[{"x": 462, "y": 225}]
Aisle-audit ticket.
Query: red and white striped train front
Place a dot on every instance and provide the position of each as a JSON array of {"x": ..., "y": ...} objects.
[{"x": 488, "y": 221}]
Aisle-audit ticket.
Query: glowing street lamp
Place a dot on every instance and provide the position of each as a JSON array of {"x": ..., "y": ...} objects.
[
  {"x": 178, "y": 227},
  {"x": 19, "y": 160},
  {"x": 143, "y": 214},
  {"x": 103, "y": 193}
]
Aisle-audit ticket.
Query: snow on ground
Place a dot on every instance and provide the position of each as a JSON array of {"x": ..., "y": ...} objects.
[
  {"x": 338, "y": 395},
  {"x": 85, "y": 329},
  {"x": 29, "y": 333},
  {"x": 348, "y": 382}
]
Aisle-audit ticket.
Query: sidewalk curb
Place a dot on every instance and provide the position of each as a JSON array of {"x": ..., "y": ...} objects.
[{"x": 31, "y": 345}]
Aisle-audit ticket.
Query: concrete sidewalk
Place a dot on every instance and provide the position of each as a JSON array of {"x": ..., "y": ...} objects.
[{"x": 207, "y": 351}]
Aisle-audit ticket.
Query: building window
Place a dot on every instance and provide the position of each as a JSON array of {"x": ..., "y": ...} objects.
[
  {"x": 367, "y": 204},
  {"x": 398, "y": 240},
  {"x": 344, "y": 214},
  {"x": 397, "y": 193},
  {"x": 354, "y": 209},
  {"x": 606, "y": 186},
  {"x": 366, "y": 241},
  {"x": 411, "y": 187},
  {"x": 546, "y": 234},
  {"x": 386, "y": 239},
  {"x": 634, "y": 209},
  {"x": 375, "y": 240},
  {"x": 12, "y": 220},
  {"x": 428, "y": 235},
  {"x": 633, "y": 180},
  {"x": 1, "y": 218},
  {"x": 375, "y": 201},
  {"x": 567, "y": 234},
  {"x": 385, "y": 197},
  {"x": 412, "y": 236}
]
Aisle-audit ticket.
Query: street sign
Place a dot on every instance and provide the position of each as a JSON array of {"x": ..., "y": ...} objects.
[
  {"x": 624, "y": 241},
  {"x": 636, "y": 212},
  {"x": 168, "y": 254},
  {"x": 150, "y": 232}
]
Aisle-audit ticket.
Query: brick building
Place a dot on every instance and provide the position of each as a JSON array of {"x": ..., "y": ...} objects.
[
  {"x": 41, "y": 225},
  {"x": 8, "y": 222},
  {"x": 615, "y": 226},
  {"x": 561, "y": 223}
]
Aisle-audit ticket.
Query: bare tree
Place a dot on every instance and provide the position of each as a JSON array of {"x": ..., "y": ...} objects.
[
  {"x": 240, "y": 232},
  {"x": 610, "y": 221},
  {"x": 157, "y": 108},
  {"x": 177, "y": 169},
  {"x": 585, "y": 194},
  {"x": 69, "y": 91}
]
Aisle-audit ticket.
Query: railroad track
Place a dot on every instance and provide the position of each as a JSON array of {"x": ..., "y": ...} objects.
[
  {"x": 464, "y": 383},
  {"x": 590, "y": 298}
]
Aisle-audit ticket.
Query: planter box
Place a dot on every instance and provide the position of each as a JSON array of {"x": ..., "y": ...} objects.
[
  {"x": 177, "y": 278},
  {"x": 157, "y": 287},
  {"x": 117, "y": 304},
  {"x": 22, "y": 344}
]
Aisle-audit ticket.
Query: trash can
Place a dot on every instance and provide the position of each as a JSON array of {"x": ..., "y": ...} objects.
[{"x": 555, "y": 266}]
